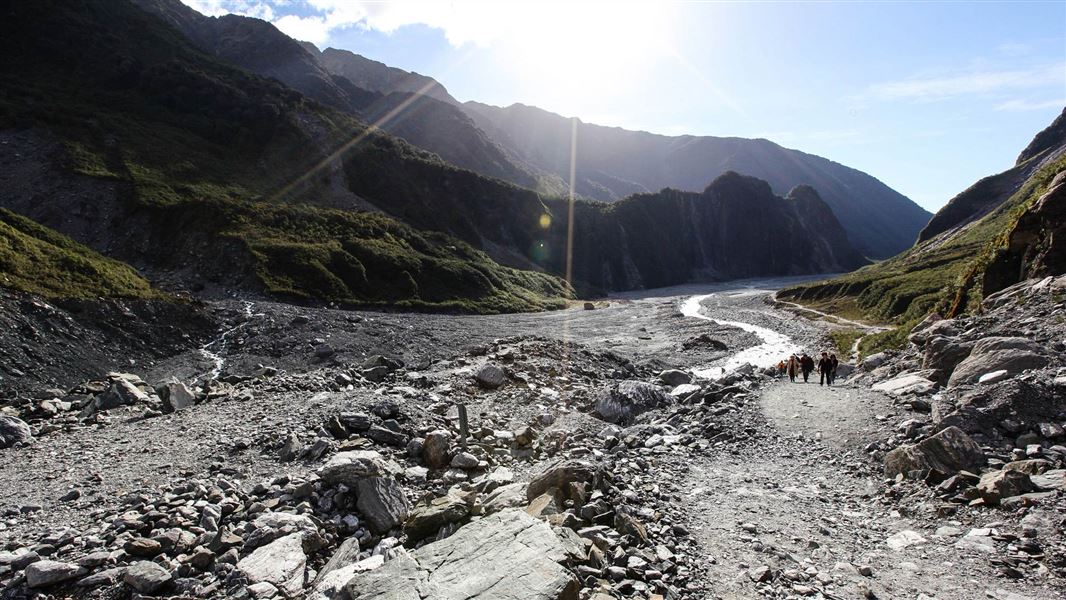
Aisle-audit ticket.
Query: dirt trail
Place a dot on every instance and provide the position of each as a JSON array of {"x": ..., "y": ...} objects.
[{"x": 802, "y": 498}]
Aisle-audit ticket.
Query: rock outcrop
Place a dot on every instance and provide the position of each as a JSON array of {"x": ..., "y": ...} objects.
[
  {"x": 506, "y": 555},
  {"x": 936, "y": 458}
]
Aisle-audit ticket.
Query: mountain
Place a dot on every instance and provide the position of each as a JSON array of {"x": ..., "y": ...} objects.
[
  {"x": 407, "y": 105},
  {"x": 122, "y": 135},
  {"x": 379, "y": 77},
  {"x": 613, "y": 163},
  {"x": 1003, "y": 229},
  {"x": 736, "y": 228},
  {"x": 209, "y": 178},
  {"x": 991, "y": 192}
]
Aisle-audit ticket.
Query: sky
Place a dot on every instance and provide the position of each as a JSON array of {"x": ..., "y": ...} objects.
[{"x": 926, "y": 96}]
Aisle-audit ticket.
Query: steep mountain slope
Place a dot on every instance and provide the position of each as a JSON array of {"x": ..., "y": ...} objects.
[
  {"x": 614, "y": 162},
  {"x": 997, "y": 232},
  {"x": 67, "y": 312},
  {"x": 411, "y": 106},
  {"x": 735, "y": 228},
  {"x": 40, "y": 261},
  {"x": 379, "y": 77},
  {"x": 152, "y": 152},
  {"x": 987, "y": 194}
]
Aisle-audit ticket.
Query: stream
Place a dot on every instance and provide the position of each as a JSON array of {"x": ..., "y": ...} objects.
[
  {"x": 213, "y": 350},
  {"x": 773, "y": 348}
]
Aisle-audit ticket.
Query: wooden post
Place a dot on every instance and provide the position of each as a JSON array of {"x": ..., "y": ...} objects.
[{"x": 464, "y": 426}]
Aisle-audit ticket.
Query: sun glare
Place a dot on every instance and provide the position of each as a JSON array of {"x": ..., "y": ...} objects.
[{"x": 586, "y": 47}]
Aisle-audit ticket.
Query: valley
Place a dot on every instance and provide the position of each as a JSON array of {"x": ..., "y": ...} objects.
[
  {"x": 743, "y": 484},
  {"x": 282, "y": 321}
]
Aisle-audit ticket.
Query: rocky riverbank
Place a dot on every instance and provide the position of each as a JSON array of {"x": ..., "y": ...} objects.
[{"x": 329, "y": 460}]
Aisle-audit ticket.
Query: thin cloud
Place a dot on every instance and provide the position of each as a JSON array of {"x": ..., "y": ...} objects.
[
  {"x": 306, "y": 29},
  {"x": 927, "y": 89},
  {"x": 1024, "y": 105}
]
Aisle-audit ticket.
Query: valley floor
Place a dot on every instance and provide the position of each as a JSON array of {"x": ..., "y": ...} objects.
[{"x": 779, "y": 498}]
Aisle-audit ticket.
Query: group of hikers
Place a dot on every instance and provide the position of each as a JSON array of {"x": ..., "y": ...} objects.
[{"x": 804, "y": 364}]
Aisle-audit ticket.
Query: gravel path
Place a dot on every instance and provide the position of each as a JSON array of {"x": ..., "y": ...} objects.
[{"x": 801, "y": 497}]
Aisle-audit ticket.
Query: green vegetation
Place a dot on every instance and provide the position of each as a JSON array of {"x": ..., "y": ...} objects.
[
  {"x": 40, "y": 261},
  {"x": 217, "y": 169},
  {"x": 843, "y": 340},
  {"x": 942, "y": 274}
]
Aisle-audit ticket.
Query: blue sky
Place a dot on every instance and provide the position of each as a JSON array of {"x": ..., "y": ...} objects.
[{"x": 926, "y": 96}]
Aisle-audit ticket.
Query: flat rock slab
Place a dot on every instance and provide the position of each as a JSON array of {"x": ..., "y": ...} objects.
[
  {"x": 280, "y": 563},
  {"x": 910, "y": 383},
  {"x": 506, "y": 556}
]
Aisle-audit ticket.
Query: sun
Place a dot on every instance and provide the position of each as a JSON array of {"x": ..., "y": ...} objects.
[{"x": 588, "y": 47}]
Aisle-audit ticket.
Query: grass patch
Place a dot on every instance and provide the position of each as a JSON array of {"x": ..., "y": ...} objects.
[
  {"x": 40, "y": 261},
  {"x": 843, "y": 340}
]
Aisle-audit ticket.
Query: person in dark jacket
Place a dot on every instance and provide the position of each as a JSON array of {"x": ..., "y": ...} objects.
[
  {"x": 806, "y": 365},
  {"x": 833, "y": 371},
  {"x": 825, "y": 370}
]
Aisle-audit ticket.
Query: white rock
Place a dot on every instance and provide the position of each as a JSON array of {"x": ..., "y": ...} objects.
[
  {"x": 908, "y": 383},
  {"x": 904, "y": 539},
  {"x": 993, "y": 377}
]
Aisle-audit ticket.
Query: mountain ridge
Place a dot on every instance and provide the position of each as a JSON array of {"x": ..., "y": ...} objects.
[{"x": 879, "y": 220}]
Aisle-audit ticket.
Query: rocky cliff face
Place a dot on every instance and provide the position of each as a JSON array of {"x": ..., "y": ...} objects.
[
  {"x": 735, "y": 228},
  {"x": 989, "y": 193},
  {"x": 614, "y": 163},
  {"x": 1035, "y": 246}
]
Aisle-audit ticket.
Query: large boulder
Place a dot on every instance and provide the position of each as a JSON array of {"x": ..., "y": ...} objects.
[
  {"x": 175, "y": 395},
  {"x": 930, "y": 327},
  {"x": 489, "y": 376},
  {"x": 508, "y": 555},
  {"x": 14, "y": 431},
  {"x": 942, "y": 354},
  {"x": 936, "y": 458},
  {"x": 281, "y": 563},
  {"x": 352, "y": 467},
  {"x": 121, "y": 393},
  {"x": 675, "y": 377},
  {"x": 1011, "y": 354},
  {"x": 382, "y": 502},
  {"x": 573, "y": 478},
  {"x": 44, "y": 573},
  {"x": 270, "y": 526},
  {"x": 427, "y": 519},
  {"x": 436, "y": 449},
  {"x": 621, "y": 402},
  {"x": 512, "y": 495},
  {"x": 907, "y": 383},
  {"x": 146, "y": 577},
  {"x": 996, "y": 485}
]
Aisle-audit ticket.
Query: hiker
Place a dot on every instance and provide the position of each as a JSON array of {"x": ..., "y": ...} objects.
[
  {"x": 781, "y": 366},
  {"x": 833, "y": 371},
  {"x": 825, "y": 370},
  {"x": 806, "y": 366},
  {"x": 793, "y": 367}
]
